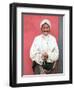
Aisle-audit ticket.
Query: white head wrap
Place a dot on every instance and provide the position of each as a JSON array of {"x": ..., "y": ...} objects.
[{"x": 45, "y": 21}]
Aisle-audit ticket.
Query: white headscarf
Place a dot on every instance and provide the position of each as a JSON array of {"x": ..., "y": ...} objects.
[{"x": 45, "y": 21}]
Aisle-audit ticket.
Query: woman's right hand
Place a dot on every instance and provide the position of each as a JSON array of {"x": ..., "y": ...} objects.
[{"x": 45, "y": 56}]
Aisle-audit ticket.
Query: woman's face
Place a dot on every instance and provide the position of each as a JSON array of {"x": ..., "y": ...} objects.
[{"x": 45, "y": 29}]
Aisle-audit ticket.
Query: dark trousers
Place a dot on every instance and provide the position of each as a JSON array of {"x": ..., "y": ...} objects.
[{"x": 38, "y": 69}]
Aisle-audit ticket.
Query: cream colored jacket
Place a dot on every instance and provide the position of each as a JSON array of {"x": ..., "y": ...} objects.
[{"x": 43, "y": 44}]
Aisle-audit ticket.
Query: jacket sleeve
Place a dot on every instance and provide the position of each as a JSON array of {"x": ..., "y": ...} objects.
[
  {"x": 53, "y": 55},
  {"x": 35, "y": 54}
]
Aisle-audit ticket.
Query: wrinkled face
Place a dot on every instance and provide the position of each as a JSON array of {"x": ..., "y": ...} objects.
[{"x": 45, "y": 29}]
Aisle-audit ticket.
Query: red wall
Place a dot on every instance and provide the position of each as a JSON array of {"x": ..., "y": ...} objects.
[{"x": 31, "y": 29}]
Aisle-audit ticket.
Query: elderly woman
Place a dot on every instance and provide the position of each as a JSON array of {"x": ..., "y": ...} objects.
[{"x": 44, "y": 50}]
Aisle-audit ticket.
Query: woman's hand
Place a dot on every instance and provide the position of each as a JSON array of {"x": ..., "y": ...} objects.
[{"x": 45, "y": 56}]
